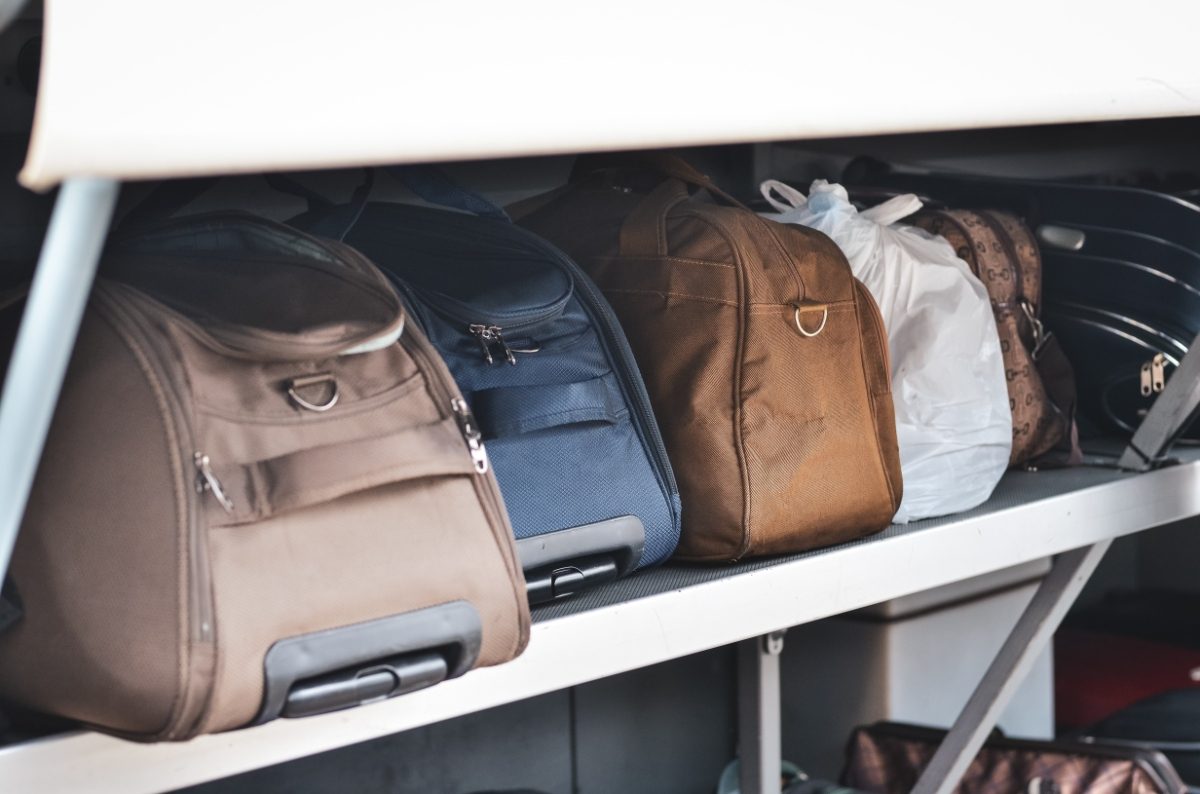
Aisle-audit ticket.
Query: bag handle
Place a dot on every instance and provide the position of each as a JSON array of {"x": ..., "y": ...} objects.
[
  {"x": 793, "y": 199},
  {"x": 663, "y": 163},
  {"x": 894, "y": 209},
  {"x": 251, "y": 492},
  {"x": 644, "y": 231},
  {"x": 789, "y": 198},
  {"x": 435, "y": 186}
]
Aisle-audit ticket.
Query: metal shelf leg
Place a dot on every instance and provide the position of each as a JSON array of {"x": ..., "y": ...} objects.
[
  {"x": 1177, "y": 403},
  {"x": 759, "y": 744},
  {"x": 1017, "y": 656},
  {"x": 53, "y": 310}
]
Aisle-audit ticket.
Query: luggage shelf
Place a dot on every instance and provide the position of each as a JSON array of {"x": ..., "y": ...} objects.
[{"x": 660, "y": 615}]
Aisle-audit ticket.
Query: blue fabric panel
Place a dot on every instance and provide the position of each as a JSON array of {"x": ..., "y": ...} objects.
[
  {"x": 523, "y": 409},
  {"x": 570, "y": 441}
]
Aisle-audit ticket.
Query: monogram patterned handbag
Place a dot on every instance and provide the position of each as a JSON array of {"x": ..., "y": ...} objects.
[
  {"x": 888, "y": 758},
  {"x": 1002, "y": 252}
]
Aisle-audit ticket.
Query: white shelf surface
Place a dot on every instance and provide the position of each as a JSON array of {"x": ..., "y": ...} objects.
[
  {"x": 659, "y": 615},
  {"x": 136, "y": 89}
]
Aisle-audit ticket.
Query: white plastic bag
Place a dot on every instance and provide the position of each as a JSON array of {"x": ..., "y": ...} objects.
[{"x": 952, "y": 415}]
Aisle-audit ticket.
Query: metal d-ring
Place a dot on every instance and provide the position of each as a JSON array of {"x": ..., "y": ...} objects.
[
  {"x": 313, "y": 380},
  {"x": 824, "y": 319}
]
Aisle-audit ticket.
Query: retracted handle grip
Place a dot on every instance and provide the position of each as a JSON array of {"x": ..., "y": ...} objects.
[{"x": 348, "y": 666}]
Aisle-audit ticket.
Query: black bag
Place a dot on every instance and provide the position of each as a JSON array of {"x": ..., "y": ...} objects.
[{"x": 1122, "y": 276}]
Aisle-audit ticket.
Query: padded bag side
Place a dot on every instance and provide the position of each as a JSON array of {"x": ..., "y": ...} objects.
[{"x": 101, "y": 559}]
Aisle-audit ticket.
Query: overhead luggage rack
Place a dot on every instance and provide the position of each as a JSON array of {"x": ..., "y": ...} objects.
[
  {"x": 663, "y": 614},
  {"x": 88, "y": 141}
]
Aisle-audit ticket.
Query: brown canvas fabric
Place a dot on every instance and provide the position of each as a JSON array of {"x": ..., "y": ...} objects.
[
  {"x": 888, "y": 758},
  {"x": 148, "y": 605},
  {"x": 780, "y": 441},
  {"x": 1002, "y": 252}
]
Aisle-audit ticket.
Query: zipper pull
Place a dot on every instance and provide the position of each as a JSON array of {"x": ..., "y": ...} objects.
[
  {"x": 484, "y": 335},
  {"x": 207, "y": 481},
  {"x": 1154, "y": 375},
  {"x": 498, "y": 334},
  {"x": 471, "y": 434}
]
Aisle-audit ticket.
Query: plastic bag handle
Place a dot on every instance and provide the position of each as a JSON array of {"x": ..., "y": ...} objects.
[
  {"x": 794, "y": 199},
  {"x": 894, "y": 209}
]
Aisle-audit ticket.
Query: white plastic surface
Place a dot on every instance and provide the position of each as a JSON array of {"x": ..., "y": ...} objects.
[
  {"x": 136, "y": 89},
  {"x": 953, "y": 421}
]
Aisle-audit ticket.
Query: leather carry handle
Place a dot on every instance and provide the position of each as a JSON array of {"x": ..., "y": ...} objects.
[
  {"x": 254, "y": 491},
  {"x": 644, "y": 232},
  {"x": 668, "y": 165}
]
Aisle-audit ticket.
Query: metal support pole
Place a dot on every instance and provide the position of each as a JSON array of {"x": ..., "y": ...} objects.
[
  {"x": 1017, "y": 656},
  {"x": 1174, "y": 406},
  {"x": 760, "y": 748},
  {"x": 53, "y": 310}
]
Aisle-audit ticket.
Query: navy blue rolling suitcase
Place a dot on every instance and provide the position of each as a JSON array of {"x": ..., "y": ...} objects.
[{"x": 547, "y": 373}]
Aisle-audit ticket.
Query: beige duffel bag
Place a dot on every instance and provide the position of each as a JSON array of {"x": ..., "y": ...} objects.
[{"x": 261, "y": 495}]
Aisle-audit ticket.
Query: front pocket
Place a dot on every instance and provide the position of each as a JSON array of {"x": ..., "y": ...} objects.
[
  {"x": 510, "y": 411},
  {"x": 260, "y": 489}
]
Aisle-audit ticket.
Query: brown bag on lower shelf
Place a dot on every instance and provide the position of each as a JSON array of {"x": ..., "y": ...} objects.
[
  {"x": 888, "y": 758},
  {"x": 766, "y": 360},
  {"x": 1001, "y": 250},
  {"x": 261, "y": 495}
]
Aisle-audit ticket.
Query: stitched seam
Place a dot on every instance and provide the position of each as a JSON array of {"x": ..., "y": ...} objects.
[
  {"x": 667, "y": 258},
  {"x": 742, "y": 332},
  {"x": 683, "y": 295}
]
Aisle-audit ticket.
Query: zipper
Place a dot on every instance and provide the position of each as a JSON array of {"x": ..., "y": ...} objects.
[
  {"x": 206, "y": 481},
  {"x": 200, "y": 601},
  {"x": 468, "y": 315},
  {"x": 490, "y": 336},
  {"x": 470, "y": 433},
  {"x": 612, "y": 339},
  {"x": 445, "y": 394}
]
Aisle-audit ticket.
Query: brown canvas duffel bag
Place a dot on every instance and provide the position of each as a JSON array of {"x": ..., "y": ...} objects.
[
  {"x": 888, "y": 758},
  {"x": 261, "y": 495},
  {"x": 766, "y": 360},
  {"x": 1001, "y": 250}
]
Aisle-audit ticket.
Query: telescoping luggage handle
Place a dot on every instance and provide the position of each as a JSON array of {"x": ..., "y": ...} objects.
[{"x": 379, "y": 659}]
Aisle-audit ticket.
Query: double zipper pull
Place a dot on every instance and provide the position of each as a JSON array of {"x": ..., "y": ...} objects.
[
  {"x": 493, "y": 335},
  {"x": 812, "y": 307},
  {"x": 295, "y": 384},
  {"x": 1154, "y": 375}
]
